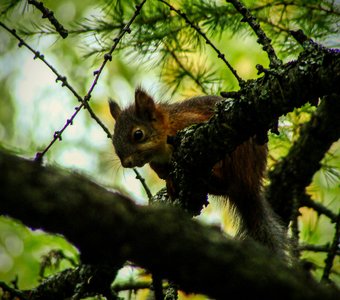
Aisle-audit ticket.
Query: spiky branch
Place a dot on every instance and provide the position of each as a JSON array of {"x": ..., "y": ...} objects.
[{"x": 46, "y": 13}]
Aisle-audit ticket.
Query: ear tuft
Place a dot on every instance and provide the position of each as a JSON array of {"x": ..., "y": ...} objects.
[
  {"x": 145, "y": 105},
  {"x": 115, "y": 109}
]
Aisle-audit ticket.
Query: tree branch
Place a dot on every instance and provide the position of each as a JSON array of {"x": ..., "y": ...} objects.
[
  {"x": 252, "y": 111},
  {"x": 63, "y": 79},
  {"x": 207, "y": 40},
  {"x": 108, "y": 229},
  {"x": 262, "y": 37},
  {"x": 332, "y": 253},
  {"x": 78, "y": 283},
  {"x": 85, "y": 100},
  {"x": 293, "y": 174},
  {"x": 306, "y": 200},
  {"x": 316, "y": 248},
  {"x": 50, "y": 16}
]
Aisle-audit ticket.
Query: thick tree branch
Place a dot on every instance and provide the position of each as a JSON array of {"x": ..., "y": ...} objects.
[
  {"x": 108, "y": 228},
  {"x": 78, "y": 283},
  {"x": 252, "y": 111}
]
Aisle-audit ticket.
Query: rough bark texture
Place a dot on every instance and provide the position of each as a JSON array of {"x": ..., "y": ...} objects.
[
  {"x": 251, "y": 111},
  {"x": 296, "y": 170},
  {"x": 108, "y": 228}
]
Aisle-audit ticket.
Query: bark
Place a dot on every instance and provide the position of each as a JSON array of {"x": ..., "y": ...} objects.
[
  {"x": 295, "y": 172},
  {"x": 254, "y": 110},
  {"x": 108, "y": 228}
]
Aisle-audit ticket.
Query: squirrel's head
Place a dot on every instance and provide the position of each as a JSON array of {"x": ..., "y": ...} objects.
[{"x": 139, "y": 135}]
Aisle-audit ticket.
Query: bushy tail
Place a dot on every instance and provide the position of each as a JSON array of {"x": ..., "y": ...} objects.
[
  {"x": 239, "y": 178},
  {"x": 259, "y": 222}
]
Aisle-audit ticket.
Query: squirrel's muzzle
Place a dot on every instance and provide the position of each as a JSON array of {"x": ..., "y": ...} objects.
[
  {"x": 131, "y": 162},
  {"x": 127, "y": 162}
]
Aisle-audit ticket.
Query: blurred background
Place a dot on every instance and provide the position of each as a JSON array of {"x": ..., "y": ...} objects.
[{"x": 33, "y": 105}]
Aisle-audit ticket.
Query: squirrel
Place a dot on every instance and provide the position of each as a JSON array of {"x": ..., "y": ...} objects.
[{"x": 141, "y": 136}]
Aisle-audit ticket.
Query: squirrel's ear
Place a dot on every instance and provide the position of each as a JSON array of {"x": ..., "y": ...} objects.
[
  {"x": 115, "y": 110},
  {"x": 145, "y": 105}
]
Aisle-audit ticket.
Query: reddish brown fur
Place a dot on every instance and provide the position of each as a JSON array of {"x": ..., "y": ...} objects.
[{"x": 238, "y": 176}]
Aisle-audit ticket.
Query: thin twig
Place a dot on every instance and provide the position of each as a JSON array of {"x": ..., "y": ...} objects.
[
  {"x": 57, "y": 134},
  {"x": 116, "y": 40},
  {"x": 108, "y": 57},
  {"x": 187, "y": 72},
  {"x": 318, "y": 207},
  {"x": 53, "y": 259},
  {"x": 295, "y": 226},
  {"x": 311, "y": 7},
  {"x": 317, "y": 248},
  {"x": 145, "y": 186},
  {"x": 332, "y": 252},
  {"x": 262, "y": 37},
  {"x": 50, "y": 16},
  {"x": 201, "y": 33},
  {"x": 84, "y": 101}
]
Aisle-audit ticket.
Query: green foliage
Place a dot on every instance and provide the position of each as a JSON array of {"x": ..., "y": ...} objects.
[
  {"x": 162, "y": 49},
  {"x": 22, "y": 251},
  {"x": 8, "y": 5}
]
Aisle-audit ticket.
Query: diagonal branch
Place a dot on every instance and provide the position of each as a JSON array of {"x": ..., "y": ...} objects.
[
  {"x": 332, "y": 253},
  {"x": 58, "y": 134},
  {"x": 262, "y": 37},
  {"x": 252, "y": 111},
  {"x": 84, "y": 101},
  {"x": 307, "y": 201},
  {"x": 50, "y": 16},
  {"x": 116, "y": 40},
  {"x": 295, "y": 172},
  {"x": 185, "y": 69},
  {"x": 97, "y": 73},
  {"x": 108, "y": 228},
  {"x": 207, "y": 40}
]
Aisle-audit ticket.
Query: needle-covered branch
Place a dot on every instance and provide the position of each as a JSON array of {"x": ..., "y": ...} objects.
[{"x": 108, "y": 228}]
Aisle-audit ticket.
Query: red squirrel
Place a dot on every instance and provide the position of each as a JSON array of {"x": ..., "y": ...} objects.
[{"x": 140, "y": 136}]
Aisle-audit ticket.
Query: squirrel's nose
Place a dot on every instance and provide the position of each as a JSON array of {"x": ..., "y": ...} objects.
[{"x": 127, "y": 162}]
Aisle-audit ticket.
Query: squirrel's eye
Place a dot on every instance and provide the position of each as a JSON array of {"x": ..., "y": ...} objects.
[{"x": 138, "y": 135}]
